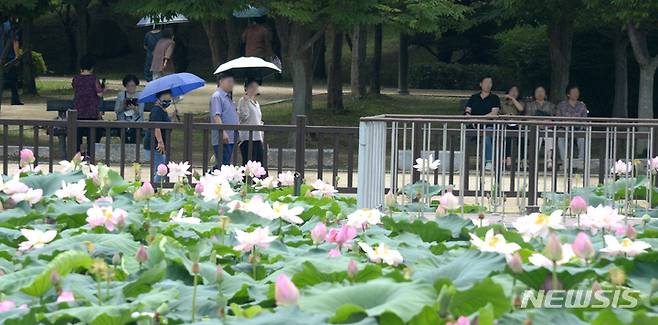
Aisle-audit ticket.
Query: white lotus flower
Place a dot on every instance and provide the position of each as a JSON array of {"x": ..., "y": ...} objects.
[
  {"x": 32, "y": 196},
  {"x": 73, "y": 165},
  {"x": 382, "y": 254},
  {"x": 286, "y": 178},
  {"x": 230, "y": 173},
  {"x": 283, "y": 211},
  {"x": 494, "y": 243},
  {"x": 260, "y": 237},
  {"x": 322, "y": 189},
  {"x": 480, "y": 223},
  {"x": 362, "y": 217},
  {"x": 36, "y": 238},
  {"x": 426, "y": 165},
  {"x": 180, "y": 218},
  {"x": 178, "y": 171},
  {"x": 626, "y": 247},
  {"x": 216, "y": 188},
  {"x": 268, "y": 182},
  {"x": 622, "y": 168},
  {"x": 75, "y": 191},
  {"x": 449, "y": 201},
  {"x": 601, "y": 218},
  {"x": 541, "y": 260},
  {"x": 255, "y": 205},
  {"x": 14, "y": 185},
  {"x": 538, "y": 224}
]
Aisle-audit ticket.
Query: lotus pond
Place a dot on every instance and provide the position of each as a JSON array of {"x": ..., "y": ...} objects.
[{"x": 84, "y": 246}]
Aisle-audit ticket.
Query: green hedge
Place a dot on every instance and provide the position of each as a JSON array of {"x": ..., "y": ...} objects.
[{"x": 458, "y": 76}]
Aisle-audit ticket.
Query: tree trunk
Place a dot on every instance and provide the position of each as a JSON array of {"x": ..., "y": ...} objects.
[
  {"x": 648, "y": 65},
  {"x": 29, "y": 84},
  {"x": 358, "y": 69},
  {"x": 297, "y": 43},
  {"x": 82, "y": 17},
  {"x": 233, "y": 36},
  {"x": 217, "y": 52},
  {"x": 560, "y": 40},
  {"x": 620, "y": 104},
  {"x": 319, "y": 63},
  {"x": 64, "y": 13},
  {"x": 375, "y": 81},
  {"x": 334, "y": 67},
  {"x": 403, "y": 65}
]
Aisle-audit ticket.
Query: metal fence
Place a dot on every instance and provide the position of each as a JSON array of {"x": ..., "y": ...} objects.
[
  {"x": 503, "y": 162},
  {"x": 323, "y": 152}
]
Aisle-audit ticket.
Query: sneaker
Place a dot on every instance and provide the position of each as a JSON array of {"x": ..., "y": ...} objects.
[{"x": 487, "y": 166}]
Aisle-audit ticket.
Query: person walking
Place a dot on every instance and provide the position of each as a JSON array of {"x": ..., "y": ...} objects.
[
  {"x": 250, "y": 114},
  {"x": 572, "y": 107},
  {"x": 159, "y": 136},
  {"x": 257, "y": 40},
  {"x": 9, "y": 38},
  {"x": 539, "y": 106},
  {"x": 127, "y": 107},
  {"x": 484, "y": 103},
  {"x": 223, "y": 111},
  {"x": 151, "y": 39},
  {"x": 87, "y": 93},
  {"x": 163, "y": 63}
]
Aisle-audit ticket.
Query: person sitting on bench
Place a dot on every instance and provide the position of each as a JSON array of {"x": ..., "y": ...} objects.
[{"x": 126, "y": 106}]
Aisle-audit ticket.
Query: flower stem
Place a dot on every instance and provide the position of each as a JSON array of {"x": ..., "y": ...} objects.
[
  {"x": 194, "y": 298},
  {"x": 253, "y": 262},
  {"x": 98, "y": 289},
  {"x": 554, "y": 284}
]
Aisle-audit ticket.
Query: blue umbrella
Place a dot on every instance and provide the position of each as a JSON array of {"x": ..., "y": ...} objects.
[
  {"x": 177, "y": 83},
  {"x": 250, "y": 12}
]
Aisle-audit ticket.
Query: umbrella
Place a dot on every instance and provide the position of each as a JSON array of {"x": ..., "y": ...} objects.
[
  {"x": 161, "y": 20},
  {"x": 250, "y": 12},
  {"x": 177, "y": 83},
  {"x": 248, "y": 67}
]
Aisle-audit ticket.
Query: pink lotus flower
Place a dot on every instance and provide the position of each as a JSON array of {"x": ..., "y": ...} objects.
[
  {"x": 65, "y": 296},
  {"x": 582, "y": 246},
  {"x": 104, "y": 199},
  {"x": 285, "y": 292},
  {"x": 462, "y": 320},
  {"x": 26, "y": 157},
  {"x": 105, "y": 216},
  {"x": 286, "y": 179},
  {"x": 514, "y": 263},
  {"x": 32, "y": 196},
  {"x": 141, "y": 256},
  {"x": 260, "y": 237},
  {"x": 578, "y": 205},
  {"x": 13, "y": 186},
  {"x": 334, "y": 252},
  {"x": 653, "y": 164},
  {"x": 352, "y": 269},
  {"x": 318, "y": 233},
  {"x": 341, "y": 235},
  {"x": 449, "y": 201},
  {"x": 198, "y": 188},
  {"x": 144, "y": 192},
  {"x": 7, "y": 305},
  {"x": 254, "y": 169},
  {"x": 162, "y": 170}
]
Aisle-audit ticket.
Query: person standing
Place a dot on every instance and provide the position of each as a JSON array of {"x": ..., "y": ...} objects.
[
  {"x": 257, "y": 40},
  {"x": 9, "y": 35},
  {"x": 163, "y": 63},
  {"x": 510, "y": 105},
  {"x": 158, "y": 136},
  {"x": 250, "y": 114},
  {"x": 572, "y": 107},
  {"x": 484, "y": 103},
  {"x": 87, "y": 93},
  {"x": 223, "y": 111},
  {"x": 542, "y": 107},
  {"x": 151, "y": 38}
]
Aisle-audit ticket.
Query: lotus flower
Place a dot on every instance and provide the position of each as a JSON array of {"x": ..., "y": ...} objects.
[
  {"x": 105, "y": 216},
  {"x": 322, "y": 189},
  {"x": 538, "y": 224},
  {"x": 426, "y": 165},
  {"x": 449, "y": 201},
  {"x": 601, "y": 218},
  {"x": 582, "y": 246},
  {"x": 216, "y": 188},
  {"x": 268, "y": 183},
  {"x": 341, "y": 235},
  {"x": 538, "y": 259},
  {"x": 352, "y": 269},
  {"x": 494, "y": 243},
  {"x": 26, "y": 157},
  {"x": 7, "y": 305},
  {"x": 260, "y": 237},
  {"x": 622, "y": 168},
  {"x": 74, "y": 191},
  {"x": 65, "y": 296},
  {"x": 178, "y": 171},
  {"x": 389, "y": 199},
  {"x": 254, "y": 169},
  {"x": 578, "y": 205},
  {"x": 180, "y": 218},
  {"x": 653, "y": 164},
  {"x": 230, "y": 173},
  {"x": 36, "y": 238},
  {"x": 318, "y": 233},
  {"x": 285, "y": 292},
  {"x": 382, "y": 254},
  {"x": 553, "y": 249},
  {"x": 73, "y": 165},
  {"x": 626, "y": 247},
  {"x": 462, "y": 320},
  {"x": 141, "y": 256},
  {"x": 198, "y": 188},
  {"x": 144, "y": 192},
  {"x": 286, "y": 179},
  {"x": 283, "y": 211},
  {"x": 32, "y": 196},
  {"x": 14, "y": 185},
  {"x": 363, "y": 217},
  {"x": 162, "y": 170},
  {"x": 514, "y": 263}
]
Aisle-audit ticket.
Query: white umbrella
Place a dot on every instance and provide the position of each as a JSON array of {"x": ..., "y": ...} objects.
[
  {"x": 248, "y": 67},
  {"x": 161, "y": 20}
]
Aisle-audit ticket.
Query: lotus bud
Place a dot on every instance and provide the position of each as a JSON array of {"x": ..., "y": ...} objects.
[
  {"x": 445, "y": 299},
  {"x": 145, "y": 192},
  {"x": 141, "y": 254},
  {"x": 548, "y": 284},
  {"x": 514, "y": 263},
  {"x": 195, "y": 268},
  {"x": 54, "y": 277},
  {"x": 352, "y": 269},
  {"x": 198, "y": 188},
  {"x": 631, "y": 232},
  {"x": 578, "y": 205},
  {"x": 162, "y": 170},
  {"x": 116, "y": 259},
  {"x": 213, "y": 258},
  {"x": 318, "y": 233},
  {"x": 285, "y": 292},
  {"x": 553, "y": 249},
  {"x": 596, "y": 287},
  {"x": 645, "y": 219},
  {"x": 219, "y": 273},
  {"x": 582, "y": 246},
  {"x": 617, "y": 276},
  {"x": 163, "y": 308},
  {"x": 389, "y": 199},
  {"x": 26, "y": 157},
  {"x": 77, "y": 159},
  {"x": 243, "y": 193}
]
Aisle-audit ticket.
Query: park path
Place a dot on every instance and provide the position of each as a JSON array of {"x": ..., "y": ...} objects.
[{"x": 196, "y": 101}]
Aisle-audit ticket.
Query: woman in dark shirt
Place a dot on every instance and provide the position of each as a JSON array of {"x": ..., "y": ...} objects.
[
  {"x": 158, "y": 136},
  {"x": 87, "y": 92}
]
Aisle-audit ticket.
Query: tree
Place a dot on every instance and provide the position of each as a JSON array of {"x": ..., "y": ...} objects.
[
  {"x": 376, "y": 64},
  {"x": 358, "y": 69},
  {"x": 334, "y": 38}
]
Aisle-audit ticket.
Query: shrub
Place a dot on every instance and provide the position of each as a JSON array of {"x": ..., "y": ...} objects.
[{"x": 457, "y": 76}]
